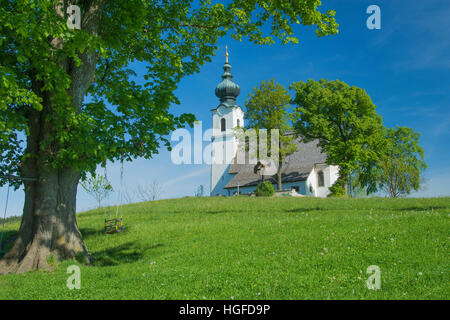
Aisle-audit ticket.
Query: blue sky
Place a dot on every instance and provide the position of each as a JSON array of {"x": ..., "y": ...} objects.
[{"x": 404, "y": 67}]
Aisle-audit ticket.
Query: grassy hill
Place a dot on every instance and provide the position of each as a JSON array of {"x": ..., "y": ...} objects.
[{"x": 253, "y": 248}]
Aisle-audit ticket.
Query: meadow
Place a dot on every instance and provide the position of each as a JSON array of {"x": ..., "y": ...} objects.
[{"x": 256, "y": 248}]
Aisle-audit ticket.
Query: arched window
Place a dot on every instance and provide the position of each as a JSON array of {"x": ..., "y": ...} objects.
[
  {"x": 320, "y": 179},
  {"x": 238, "y": 122},
  {"x": 222, "y": 124}
]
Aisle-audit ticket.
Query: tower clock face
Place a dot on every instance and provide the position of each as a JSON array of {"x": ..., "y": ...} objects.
[{"x": 221, "y": 111}]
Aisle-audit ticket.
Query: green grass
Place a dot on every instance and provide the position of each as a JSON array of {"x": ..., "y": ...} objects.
[{"x": 257, "y": 248}]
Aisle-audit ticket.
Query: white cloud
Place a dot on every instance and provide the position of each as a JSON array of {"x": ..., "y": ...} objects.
[
  {"x": 436, "y": 186},
  {"x": 442, "y": 128},
  {"x": 192, "y": 174}
]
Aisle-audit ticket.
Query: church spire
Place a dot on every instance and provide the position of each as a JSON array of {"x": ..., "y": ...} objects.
[{"x": 227, "y": 90}]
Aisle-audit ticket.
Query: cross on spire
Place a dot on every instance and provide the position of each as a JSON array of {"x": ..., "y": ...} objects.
[{"x": 226, "y": 54}]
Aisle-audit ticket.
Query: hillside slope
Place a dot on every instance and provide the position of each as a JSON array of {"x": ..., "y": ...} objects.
[{"x": 253, "y": 248}]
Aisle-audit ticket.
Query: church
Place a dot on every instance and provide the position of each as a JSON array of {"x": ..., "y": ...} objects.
[{"x": 304, "y": 172}]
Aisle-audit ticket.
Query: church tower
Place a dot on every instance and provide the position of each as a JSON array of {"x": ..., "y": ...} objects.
[{"x": 227, "y": 116}]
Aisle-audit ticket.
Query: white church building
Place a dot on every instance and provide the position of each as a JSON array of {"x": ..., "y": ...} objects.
[{"x": 304, "y": 172}]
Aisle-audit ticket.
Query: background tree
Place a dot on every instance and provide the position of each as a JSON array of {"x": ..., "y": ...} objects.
[
  {"x": 47, "y": 69},
  {"x": 267, "y": 108},
  {"x": 345, "y": 122},
  {"x": 98, "y": 187},
  {"x": 401, "y": 166},
  {"x": 149, "y": 192}
]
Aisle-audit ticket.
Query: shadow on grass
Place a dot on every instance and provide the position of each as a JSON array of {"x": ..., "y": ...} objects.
[
  {"x": 417, "y": 208},
  {"x": 300, "y": 210},
  {"x": 217, "y": 211},
  {"x": 126, "y": 253},
  {"x": 295, "y": 210},
  {"x": 403, "y": 208},
  {"x": 90, "y": 232}
]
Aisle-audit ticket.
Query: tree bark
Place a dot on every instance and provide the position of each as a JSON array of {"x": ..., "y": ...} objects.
[
  {"x": 279, "y": 173},
  {"x": 49, "y": 231},
  {"x": 279, "y": 179}
]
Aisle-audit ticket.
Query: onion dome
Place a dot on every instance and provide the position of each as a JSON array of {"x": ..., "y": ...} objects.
[{"x": 227, "y": 90}]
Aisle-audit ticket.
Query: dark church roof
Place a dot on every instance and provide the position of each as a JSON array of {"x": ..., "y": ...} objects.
[{"x": 296, "y": 167}]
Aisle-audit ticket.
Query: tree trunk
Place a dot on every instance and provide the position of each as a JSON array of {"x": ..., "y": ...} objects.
[
  {"x": 279, "y": 180},
  {"x": 49, "y": 231}
]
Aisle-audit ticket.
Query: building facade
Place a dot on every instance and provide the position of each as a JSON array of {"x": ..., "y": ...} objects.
[{"x": 225, "y": 117}]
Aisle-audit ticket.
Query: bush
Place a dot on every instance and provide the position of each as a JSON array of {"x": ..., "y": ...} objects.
[
  {"x": 265, "y": 189},
  {"x": 337, "y": 189}
]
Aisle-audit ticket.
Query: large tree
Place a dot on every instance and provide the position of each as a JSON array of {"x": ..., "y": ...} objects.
[
  {"x": 344, "y": 121},
  {"x": 48, "y": 68},
  {"x": 267, "y": 108},
  {"x": 401, "y": 166}
]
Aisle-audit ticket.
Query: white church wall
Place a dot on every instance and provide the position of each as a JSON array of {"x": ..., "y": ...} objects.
[
  {"x": 334, "y": 174},
  {"x": 288, "y": 186},
  {"x": 323, "y": 191},
  {"x": 331, "y": 173},
  {"x": 221, "y": 178},
  {"x": 231, "y": 116},
  {"x": 311, "y": 183},
  {"x": 224, "y": 147},
  {"x": 223, "y": 150}
]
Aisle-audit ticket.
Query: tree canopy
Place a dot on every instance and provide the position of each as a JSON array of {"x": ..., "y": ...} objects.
[
  {"x": 400, "y": 168},
  {"x": 344, "y": 121},
  {"x": 267, "y": 108}
]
